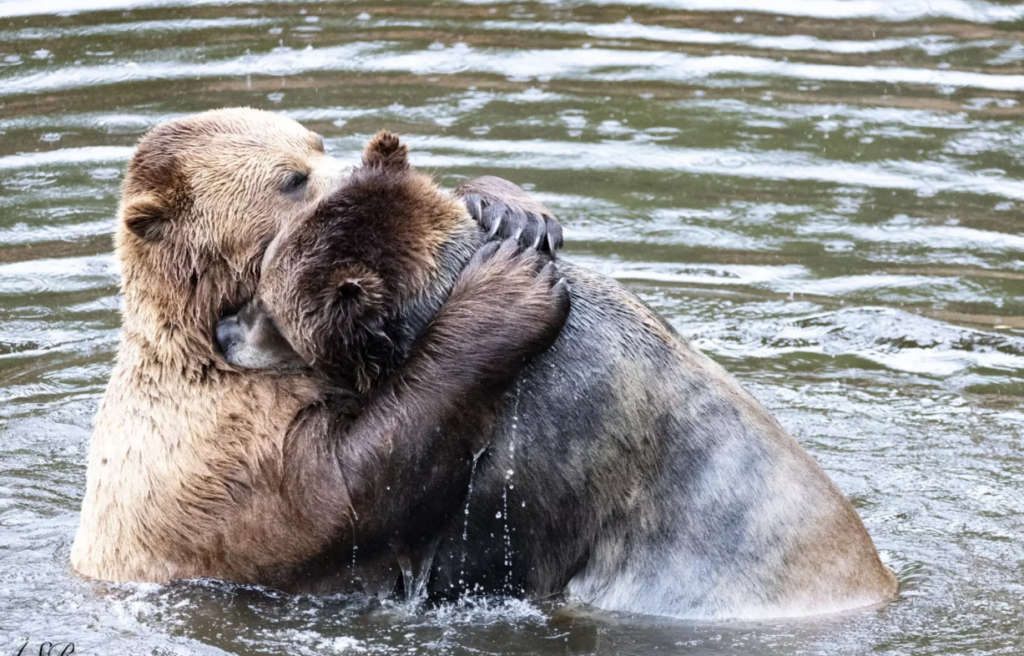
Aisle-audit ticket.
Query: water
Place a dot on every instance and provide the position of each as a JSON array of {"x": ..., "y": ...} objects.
[
  {"x": 508, "y": 550},
  {"x": 827, "y": 200}
]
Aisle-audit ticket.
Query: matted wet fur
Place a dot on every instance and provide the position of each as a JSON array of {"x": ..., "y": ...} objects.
[{"x": 626, "y": 467}]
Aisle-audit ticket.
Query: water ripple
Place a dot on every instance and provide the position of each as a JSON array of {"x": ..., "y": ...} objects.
[
  {"x": 925, "y": 177},
  {"x": 824, "y": 195},
  {"x": 597, "y": 64}
]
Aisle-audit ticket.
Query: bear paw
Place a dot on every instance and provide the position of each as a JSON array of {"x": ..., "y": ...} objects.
[{"x": 506, "y": 211}]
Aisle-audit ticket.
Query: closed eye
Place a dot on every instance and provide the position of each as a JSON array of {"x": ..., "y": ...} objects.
[{"x": 295, "y": 182}]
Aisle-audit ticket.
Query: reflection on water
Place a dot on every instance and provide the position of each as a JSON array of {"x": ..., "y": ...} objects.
[{"x": 824, "y": 195}]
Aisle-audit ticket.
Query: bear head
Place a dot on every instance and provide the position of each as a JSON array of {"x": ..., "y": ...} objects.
[
  {"x": 352, "y": 284},
  {"x": 202, "y": 198}
]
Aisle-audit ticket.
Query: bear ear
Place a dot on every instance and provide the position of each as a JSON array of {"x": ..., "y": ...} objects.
[
  {"x": 147, "y": 217},
  {"x": 387, "y": 152},
  {"x": 355, "y": 285},
  {"x": 350, "y": 289}
]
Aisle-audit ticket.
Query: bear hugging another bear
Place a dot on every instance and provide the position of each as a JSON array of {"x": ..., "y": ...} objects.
[{"x": 380, "y": 348}]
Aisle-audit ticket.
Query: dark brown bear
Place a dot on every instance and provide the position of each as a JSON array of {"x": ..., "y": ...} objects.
[
  {"x": 625, "y": 468},
  {"x": 377, "y": 278}
]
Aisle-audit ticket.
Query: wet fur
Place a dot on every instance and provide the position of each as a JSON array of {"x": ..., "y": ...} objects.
[
  {"x": 646, "y": 480},
  {"x": 651, "y": 482},
  {"x": 632, "y": 472},
  {"x": 197, "y": 469}
]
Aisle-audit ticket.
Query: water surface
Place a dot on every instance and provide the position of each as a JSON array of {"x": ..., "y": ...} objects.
[{"x": 824, "y": 195}]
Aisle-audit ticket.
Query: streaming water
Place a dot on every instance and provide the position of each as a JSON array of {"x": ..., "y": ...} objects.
[
  {"x": 465, "y": 521},
  {"x": 422, "y": 576},
  {"x": 823, "y": 195},
  {"x": 506, "y": 535}
]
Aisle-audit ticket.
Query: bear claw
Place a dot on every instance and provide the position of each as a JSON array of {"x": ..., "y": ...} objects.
[{"x": 505, "y": 211}]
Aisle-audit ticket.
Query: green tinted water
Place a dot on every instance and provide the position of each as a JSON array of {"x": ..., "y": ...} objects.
[{"x": 827, "y": 200}]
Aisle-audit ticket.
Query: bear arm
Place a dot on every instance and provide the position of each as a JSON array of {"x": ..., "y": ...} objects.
[
  {"x": 400, "y": 467},
  {"x": 505, "y": 210}
]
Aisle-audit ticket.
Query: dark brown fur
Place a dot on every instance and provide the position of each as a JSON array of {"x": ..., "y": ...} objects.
[
  {"x": 341, "y": 285},
  {"x": 630, "y": 471}
]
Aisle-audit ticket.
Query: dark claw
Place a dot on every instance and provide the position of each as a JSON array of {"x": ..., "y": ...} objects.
[
  {"x": 563, "y": 292},
  {"x": 533, "y": 230},
  {"x": 525, "y": 228},
  {"x": 554, "y": 230},
  {"x": 475, "y": 207},
  {"x": 492, "y": 218},
  {"x": 514, "y": 220},
  {"x": 489, "y": 212}
]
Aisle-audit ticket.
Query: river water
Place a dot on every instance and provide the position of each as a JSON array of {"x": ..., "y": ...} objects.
[{"x": 825, "y": 195}]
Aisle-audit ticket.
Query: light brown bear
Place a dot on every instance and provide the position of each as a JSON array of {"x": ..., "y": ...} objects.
[
  {"x": 199, "y": 470},
  {"x": 626, "y": 468}
]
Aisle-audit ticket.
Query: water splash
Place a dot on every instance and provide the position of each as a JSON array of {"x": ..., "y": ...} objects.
[
  {"x": 408, "y": 576},
  {"x": 416, "y": 574},
  {"x": 419, "y": 589}
]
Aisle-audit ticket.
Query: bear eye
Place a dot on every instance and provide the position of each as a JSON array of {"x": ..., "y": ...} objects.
[{"x": 296, "y": 181}]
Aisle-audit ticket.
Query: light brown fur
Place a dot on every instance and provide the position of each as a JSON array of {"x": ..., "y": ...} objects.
[{"x": 187, "y": 453}]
